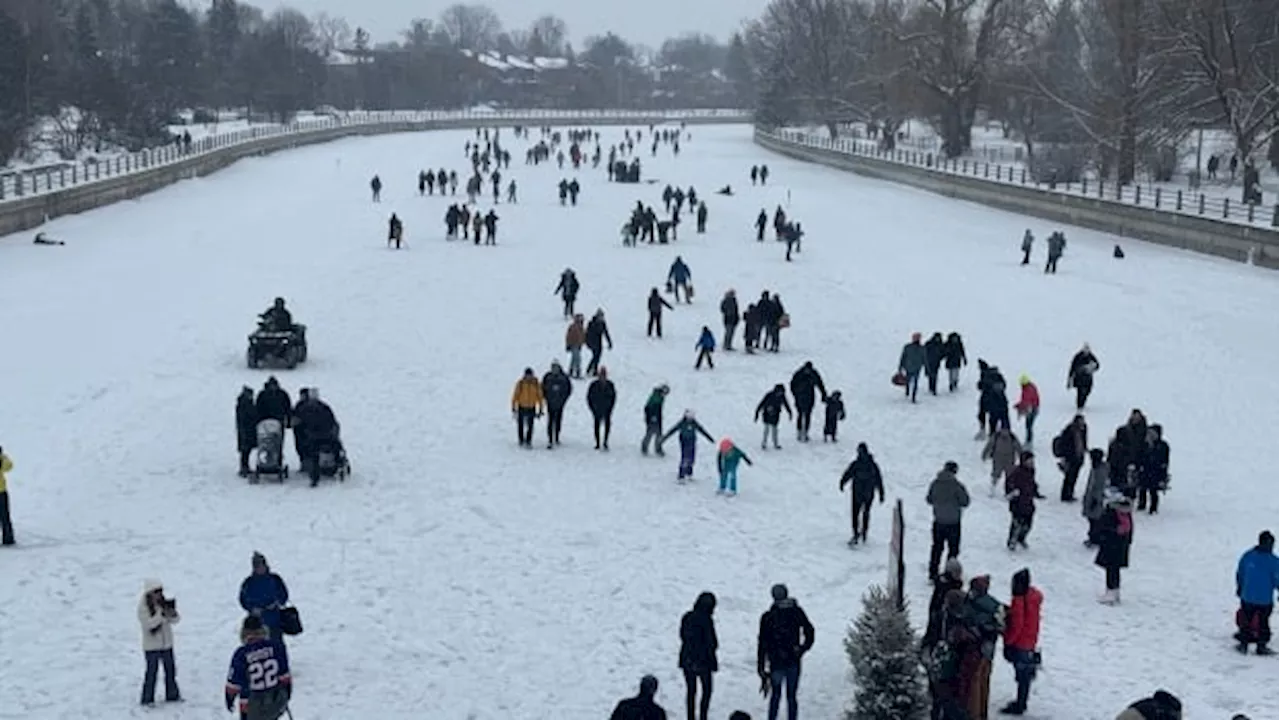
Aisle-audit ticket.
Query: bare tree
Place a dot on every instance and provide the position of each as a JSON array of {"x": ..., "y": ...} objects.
[
  {"x": 547, "y": 36},
  {"x": 471, "y": 27},
  {"x": 333, "y": 32},
  {"x": 1229, "y": 46}
]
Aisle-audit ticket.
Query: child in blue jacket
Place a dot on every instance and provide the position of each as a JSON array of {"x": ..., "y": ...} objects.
[
  {"x": 689, "y": 429},
  {"x": 727, "y": 463},
  {"x": 1257, "y": 579},
  {"x": 706, "y": 345}
]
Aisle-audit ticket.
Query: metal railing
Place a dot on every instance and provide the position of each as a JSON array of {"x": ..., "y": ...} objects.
[
  {"x": 19, "y": 185},
  {"x": 1216, "y": 208}
]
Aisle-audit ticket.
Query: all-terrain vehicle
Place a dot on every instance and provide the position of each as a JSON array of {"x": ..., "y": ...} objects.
[{"x": 277, "y": 348}]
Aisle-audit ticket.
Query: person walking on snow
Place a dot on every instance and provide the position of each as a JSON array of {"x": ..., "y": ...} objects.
[
  {"x": 653, "y": 420},
  {"x": 705, "y": 346},
  {"x": 568, "y": 290},
  {"x": 574, "y": 338},
  {"x": 261, "y": 694},
  {"x": 1115, "y": 536},
  {"x": 730, "y": 316},
  {"x": 785, "y": 636},
  {"x": 948, "y": 497},
  {"x": 1003, "y": 450},
  {"x": 556, "y": 389},
  {"x": 264, "y": 594},
  {"x": 1257, "y": 579},
  {"x": 157, "y": 615},
  {"x": 934, "y": 350},
  {"x": 1080, "y": 375},
  {"x": 601, "y": 397},
  {"x": 678, "y": 278},
  {"x": 1027, "y": 241},
  {"x": 526, "y": 405},
  {"x": 656, "y": 304},
  {"x": 375, "y": 185},
  {"x": 833, "y": 415},
  {"x": 727, "y": 464},
  {"x": 1028, "y": 405},
  {"x": 805, "y": 383},
  {"x": 1095, "y": 495},
  {"x": 864, "y": 475},
  {"x": 770, "y": 411},
  {"x": 910, "y": 363},
  {"x": 1057, "y": 245},
  {"x": 698, "y": 646},
  {"x": 6, "y": 522},
  {"x": 1021, "y": 636},
  {"x": 1021, "y": 490},
  {"x": 954, "y": 358},
  {"x": 1153, "y": 469},
  {"x": 1071, "y": 447},
  {"x": 689, "y": 429},
  {"x": 596, "y": 336}
]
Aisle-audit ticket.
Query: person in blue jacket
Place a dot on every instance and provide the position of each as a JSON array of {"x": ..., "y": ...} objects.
[
  {"x": 678, "y": 278},
  {"x": 1257, "y": 579},
  {"x": 705, "y": 346},
  {"x": 263, "y": 594},
  {"x": 689, "y": 429},
  {"x": 910, "y": 363}
]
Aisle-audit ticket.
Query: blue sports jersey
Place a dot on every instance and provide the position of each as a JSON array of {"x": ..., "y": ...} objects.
[{"x": 256, "y": 667}]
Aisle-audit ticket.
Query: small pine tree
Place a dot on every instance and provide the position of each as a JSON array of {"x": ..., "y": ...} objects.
[{"x": 886, "y": 668}]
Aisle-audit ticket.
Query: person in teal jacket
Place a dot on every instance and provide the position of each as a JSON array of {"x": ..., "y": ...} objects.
[
  {"x": 689, "y": 429},
  {"x": 1257, "y": 579},
  {"x": 727, "y": 463}
]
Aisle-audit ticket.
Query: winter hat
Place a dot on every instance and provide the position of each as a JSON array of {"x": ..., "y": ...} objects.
[
  {"x": 1167, "y": 699},
  {"x": 688, "y": 414},
  {"x": 779, "y": 592},
  {"x": 954, "y": 569},
  {"x": 555, "y": 362},
  {"x": 251, "y": 624},
  {"x": 1028, "y": 455},
  {"x": 602, "y": 372},
  {"x": 1023, "y": 379},
  {"x": 528, "y": 371},
  {"x": 726, "y": 445},
  {"x": 980, "y": 584},
  {"x": 1021, "y": 581},
  {"x": 259, "y": 560},
  {"x": 951, "y": 467},
  {"x": 1266, "y": 539},
  {"x": 862, "y": 448},
  {"x": 648, "y": 686}
]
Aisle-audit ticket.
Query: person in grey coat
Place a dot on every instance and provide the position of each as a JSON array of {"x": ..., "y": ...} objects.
[
  {"x": 1057, "y": 245},
  {"x": 1095, "y": 494},
  {"x": 1002, "y": 450},
  {"x": 910, "y": 363},
  {"x": 948, "y": 497},
  {"x": 1027, "y": 241}
]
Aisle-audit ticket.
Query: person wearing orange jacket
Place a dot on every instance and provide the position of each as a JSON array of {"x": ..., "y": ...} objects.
[
  {"x": 1021, "y": 636},
  {"x": 1028, "y": 405},
  {"x": 526, "y": 404}
]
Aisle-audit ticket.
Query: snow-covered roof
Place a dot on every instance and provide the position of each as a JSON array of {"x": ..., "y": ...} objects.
[{"x": 550, "y": 63}]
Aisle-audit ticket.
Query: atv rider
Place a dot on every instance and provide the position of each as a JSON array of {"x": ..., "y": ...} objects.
[{"x": 276, "y": 318}]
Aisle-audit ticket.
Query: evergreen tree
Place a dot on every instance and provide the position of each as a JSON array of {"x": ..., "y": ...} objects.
[{"x": 886, "y": 669}]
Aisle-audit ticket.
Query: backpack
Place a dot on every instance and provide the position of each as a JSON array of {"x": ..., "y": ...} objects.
[{"x": 1061, "y": 446}]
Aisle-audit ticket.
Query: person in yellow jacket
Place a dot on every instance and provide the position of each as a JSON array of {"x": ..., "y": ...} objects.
[
  {"x": 526, "y": 404},
  {"x": 6, "y": 525}
]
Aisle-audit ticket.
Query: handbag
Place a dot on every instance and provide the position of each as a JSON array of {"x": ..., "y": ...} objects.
[{"x": 290, "y": 621}]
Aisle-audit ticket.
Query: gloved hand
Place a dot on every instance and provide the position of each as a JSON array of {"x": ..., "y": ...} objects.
[{"x": 764, "y": 685}]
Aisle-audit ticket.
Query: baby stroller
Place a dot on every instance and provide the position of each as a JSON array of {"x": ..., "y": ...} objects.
[
  {"x": 328, "y": 459},
  {"x": 270, "y": 451}
]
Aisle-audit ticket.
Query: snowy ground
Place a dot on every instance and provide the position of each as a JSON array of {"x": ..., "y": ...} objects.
[{"x": 458, "y": 576}]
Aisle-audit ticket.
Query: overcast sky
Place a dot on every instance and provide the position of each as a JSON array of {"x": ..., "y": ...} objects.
[{"x": 644, "y": 21}]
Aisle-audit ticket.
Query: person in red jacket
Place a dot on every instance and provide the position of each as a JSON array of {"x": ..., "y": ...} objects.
[
  {"x": 1021, "y": 490},
  {"x": 1028, "y": 405},
  {"x": 1021, "y": 636}
]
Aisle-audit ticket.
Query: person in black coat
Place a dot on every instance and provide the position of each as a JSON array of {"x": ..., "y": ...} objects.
[
  {"x": 567, "y": 289},
  {"x": 596, "y": 336},
  {"x": 834, "y": 415},
  {"x": 274, "y": 403},
  {"x": 934, "y": 351},
  {"x": 730, "y": 316},
  {"x": 805, "y": 383},
  {"x": 762, "y": 222},
  {"x": 698, "y": 645},
  {"x": 785, "y": 636},
  {"x": 642, "y": 706},
  {"x": 601, "y": 398},
  {"x": 656, "y": 303},
  {"x": 1115, "y": 536},
  {"x": 556, "y": 389},
  {"x": 954, "y": 358},
  {"x": 1153, "y": 469},
  {"x": 770, "y": 411},
  {"x": 246, "y": 427},
  {"x": 1080, "y": 375},
  {"x": 1071, "y": 447},
  {"x": 993, "y": 404},
  {"x": 751, "y": 328},
  {"x": 864, "y": 474}
]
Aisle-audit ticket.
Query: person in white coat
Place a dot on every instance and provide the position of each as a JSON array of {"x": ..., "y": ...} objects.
[{"x": 157, "y": 615}]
